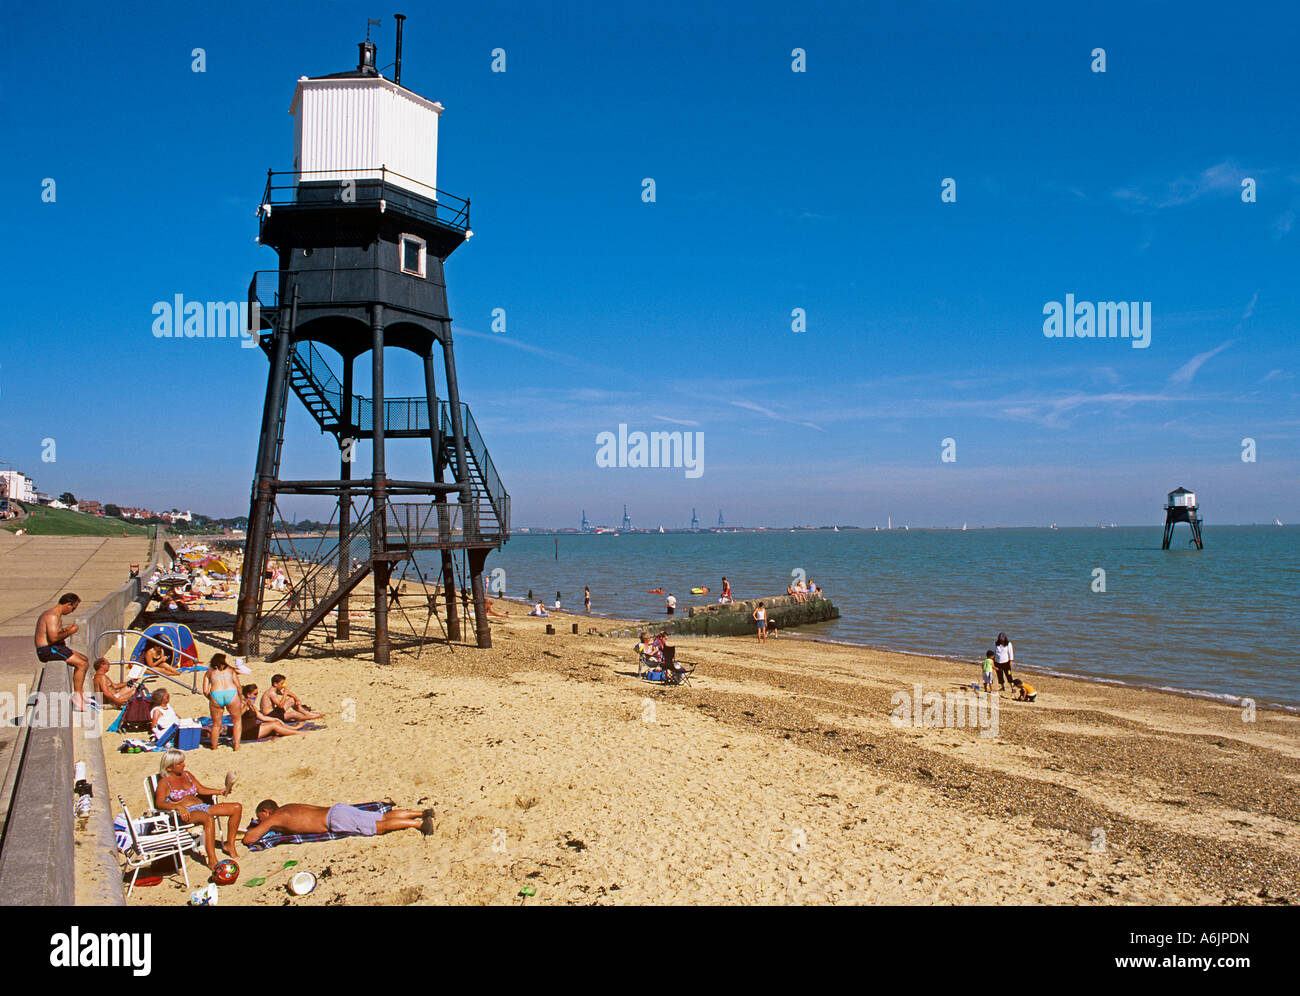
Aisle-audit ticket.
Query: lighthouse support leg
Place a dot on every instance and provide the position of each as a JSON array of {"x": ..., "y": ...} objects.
[
  {"x": 449, "y": 593},
  {"x": 344, "y": 626},
  {"x": 379, "y": 488},
  {"x": 268, "y": 466},
  {"x": 482, "y": 629}
]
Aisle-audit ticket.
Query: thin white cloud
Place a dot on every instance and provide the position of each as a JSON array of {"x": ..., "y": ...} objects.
[
  {"x": 1250, "y": 308},
  {"x": 768, "y": 413},
  {"x": 1184, "y": 374},
  {"x": 527, "y": 347},
  {"x": 676, "y": 421},
  {"x": 1217, "y": 179}
]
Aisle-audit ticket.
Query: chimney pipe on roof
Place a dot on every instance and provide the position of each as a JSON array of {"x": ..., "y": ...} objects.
[{"x": 397, "y": 67}]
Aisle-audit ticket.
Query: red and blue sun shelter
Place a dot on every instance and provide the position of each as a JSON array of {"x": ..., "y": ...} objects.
[{"x": 176, "y": 635}]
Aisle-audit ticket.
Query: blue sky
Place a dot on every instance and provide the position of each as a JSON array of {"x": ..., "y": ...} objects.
[{"x": 775, "y": 190}]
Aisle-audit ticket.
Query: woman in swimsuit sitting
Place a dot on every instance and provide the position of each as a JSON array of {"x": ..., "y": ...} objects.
[
  {"x": 258, "y": 725},
  {"x": 179, "y": 791},
  {"x": 222, "y": 689},
  {"x": 158, "y": 659}
]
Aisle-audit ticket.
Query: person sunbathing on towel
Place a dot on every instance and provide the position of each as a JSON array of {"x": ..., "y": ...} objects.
[{"x": 299, "y": 818}]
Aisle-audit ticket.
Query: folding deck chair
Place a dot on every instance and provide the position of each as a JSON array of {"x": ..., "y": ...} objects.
[{"x": 157, "y": 837}]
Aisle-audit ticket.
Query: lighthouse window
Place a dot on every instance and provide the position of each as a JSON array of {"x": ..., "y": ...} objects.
[{"x": 413, "y": 255}]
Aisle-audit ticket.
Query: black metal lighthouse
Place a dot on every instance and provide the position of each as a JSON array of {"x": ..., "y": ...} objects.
[
  {"x": 362, "y": 232},
  {"x": 1181, "y": 507}
]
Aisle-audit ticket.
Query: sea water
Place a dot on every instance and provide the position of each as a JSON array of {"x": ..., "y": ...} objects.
[{"x": 1106, "y": 604}]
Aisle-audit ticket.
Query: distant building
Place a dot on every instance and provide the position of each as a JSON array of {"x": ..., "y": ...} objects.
[
  {"x": 17, "y": 485},
  {"x": 90, "y": 507}
]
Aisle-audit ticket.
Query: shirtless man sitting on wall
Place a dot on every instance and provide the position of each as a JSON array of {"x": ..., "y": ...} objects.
[
  {"x": 51, "y": 644},
  {"x": 298, "y": 818}
]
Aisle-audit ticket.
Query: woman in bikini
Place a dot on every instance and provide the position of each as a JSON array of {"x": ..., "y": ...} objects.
[
  {"x": 222, "y": 689},
  {"x": 258, "y": 725},
  {"x": 159, "y": 659},
  {"x": 179, "y": 791}
]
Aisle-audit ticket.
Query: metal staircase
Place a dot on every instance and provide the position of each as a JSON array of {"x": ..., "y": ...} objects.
[
  {"x": 491, "y": 501},
  {"x": 284, "y": 624},
  {"x": 479, "y": 519},
  {"x": 314, "y": 382},
  {"x": 319, "y": 390}
]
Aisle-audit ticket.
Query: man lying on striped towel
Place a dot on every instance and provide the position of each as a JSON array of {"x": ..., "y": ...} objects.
[{"x": 297, "y": 823}]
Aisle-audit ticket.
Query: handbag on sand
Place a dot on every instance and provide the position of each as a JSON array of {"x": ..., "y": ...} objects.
[{"x": 136, "y": 717}]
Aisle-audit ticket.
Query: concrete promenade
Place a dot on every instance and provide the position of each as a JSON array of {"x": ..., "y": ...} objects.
[{"x": 34, "y": 572}]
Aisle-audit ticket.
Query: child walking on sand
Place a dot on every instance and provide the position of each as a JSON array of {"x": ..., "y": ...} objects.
[
  {"x": 760, "y": 617},
  {"x": 988, "y": 671}
]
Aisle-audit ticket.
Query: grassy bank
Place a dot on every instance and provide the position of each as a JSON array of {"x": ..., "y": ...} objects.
[{"x": 42, "y": 521}]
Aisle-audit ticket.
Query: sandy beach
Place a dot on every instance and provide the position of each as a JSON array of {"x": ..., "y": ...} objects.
[{"x": 776, "y": 777}]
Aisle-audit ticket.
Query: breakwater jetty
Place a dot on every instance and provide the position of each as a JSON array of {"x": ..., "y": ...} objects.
[{"x": 736, "y": 618}]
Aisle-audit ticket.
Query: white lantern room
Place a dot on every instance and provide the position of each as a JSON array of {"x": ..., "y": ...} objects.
[
  {"x": 362, "y": 128},
  {"x": 1182, "y": 498}
]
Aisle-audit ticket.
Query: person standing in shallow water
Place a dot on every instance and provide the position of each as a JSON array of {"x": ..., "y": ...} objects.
[
  {"x": 586, "y": 599},
  {"x": 1004, "y": 656}
]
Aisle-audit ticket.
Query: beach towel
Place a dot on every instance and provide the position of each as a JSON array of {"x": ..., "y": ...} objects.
[
  {"x": 227, "y": 732},
  {"x": 274, "y": 838}
]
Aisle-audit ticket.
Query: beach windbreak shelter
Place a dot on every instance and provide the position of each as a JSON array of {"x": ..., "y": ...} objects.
[{"x": 362, "y": 232}]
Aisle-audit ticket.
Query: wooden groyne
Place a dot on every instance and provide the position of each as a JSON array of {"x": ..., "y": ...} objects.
[{"x": 737, "y": 618}]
